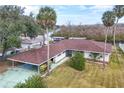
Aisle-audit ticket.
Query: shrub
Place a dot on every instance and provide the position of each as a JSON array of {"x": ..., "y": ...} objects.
[
  {"x": 20, "y": 85},
  {"x": 43, "y": 68},
  {"x": 32, "y": 82},
  {"x": 78, "y": 61}
]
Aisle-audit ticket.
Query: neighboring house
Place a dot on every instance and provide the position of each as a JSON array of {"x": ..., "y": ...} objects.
[
  {"x": 77, "y": 37},
  {"x": 55, "y": 38},
  {"x": 58, "y": 38},
  {"x": 28, "y": 43},
  {"x": 10, "y": 51},
  {"x": 62, "y": 49}
]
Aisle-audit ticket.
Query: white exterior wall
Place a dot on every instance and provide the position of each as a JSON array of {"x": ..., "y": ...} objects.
[
  {"x": 77, "y": 38},
  {"x": 35, "y": 45},
  {"x": 25, "y": 46},
  {"x": 87, "y": 55},
  {"x": 107, "y": 55},
  {"x": 59, "y": 57}
]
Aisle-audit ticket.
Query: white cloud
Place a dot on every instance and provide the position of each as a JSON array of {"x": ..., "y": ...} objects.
[
  {"x": 101, "y": 7},
  {"x": 64, "y": 19},
  {"x": 77, "y": 19},
  {"x": 98, "y": 10},
  {"x": 60, "y": 7},
  {"x": 92, "y": 16},
  {"x": 33, "y": 9},
  {"x": 82, "y": 7}
]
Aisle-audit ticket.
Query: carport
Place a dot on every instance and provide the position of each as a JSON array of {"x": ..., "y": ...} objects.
[{"x": 28, "y": 63}]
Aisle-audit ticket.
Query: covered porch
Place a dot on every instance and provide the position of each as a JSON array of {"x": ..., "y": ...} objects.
[{"x": 25, "y": 65}]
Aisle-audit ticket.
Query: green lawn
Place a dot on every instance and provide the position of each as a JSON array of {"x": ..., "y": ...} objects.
[{"x": 92, "y": 76}]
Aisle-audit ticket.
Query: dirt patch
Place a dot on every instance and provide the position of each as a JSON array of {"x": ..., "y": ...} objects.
[{"x": 3, "y": 67}]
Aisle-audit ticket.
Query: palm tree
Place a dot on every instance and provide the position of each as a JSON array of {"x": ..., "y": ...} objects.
[
  {"x": 47, "y": 19},
  {"x": 108, "y": 20},
  {"x": 119, "y": 13}
]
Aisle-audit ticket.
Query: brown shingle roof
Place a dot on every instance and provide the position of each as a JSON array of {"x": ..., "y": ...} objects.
[{"x": 38, "y": 56}]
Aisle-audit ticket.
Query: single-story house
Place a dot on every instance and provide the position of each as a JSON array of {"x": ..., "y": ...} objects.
[{"x": 62, "y": 49}]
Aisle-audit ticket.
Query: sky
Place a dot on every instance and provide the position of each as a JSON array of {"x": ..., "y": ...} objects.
[{"x": 75, "y": 14}]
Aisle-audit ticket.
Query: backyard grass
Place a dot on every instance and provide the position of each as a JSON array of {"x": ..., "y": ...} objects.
[{"x": 92, "y": 77}]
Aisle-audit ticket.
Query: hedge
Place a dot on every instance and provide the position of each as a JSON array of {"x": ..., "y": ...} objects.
[{"x": 78, "y": 61}]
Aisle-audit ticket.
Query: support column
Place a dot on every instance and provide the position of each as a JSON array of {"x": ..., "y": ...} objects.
[
  {"x": 38, "y": 69},
  {"x": 41, "y": 44},
  {"x": 13, "y": 65}
]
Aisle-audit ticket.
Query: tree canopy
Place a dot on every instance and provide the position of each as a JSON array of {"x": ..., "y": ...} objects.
[
  {"x": 29, "y": 26},
  {"x": 119, "y": 11},
  {"x": 108, "y": 18},
  {"x": 10, "y": 25},
  {"x": 13, "y": 23},
  {"x": 46, "y": 17}
]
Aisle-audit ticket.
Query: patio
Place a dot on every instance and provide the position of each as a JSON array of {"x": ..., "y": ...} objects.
[{"x": 12, "y": 76}]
